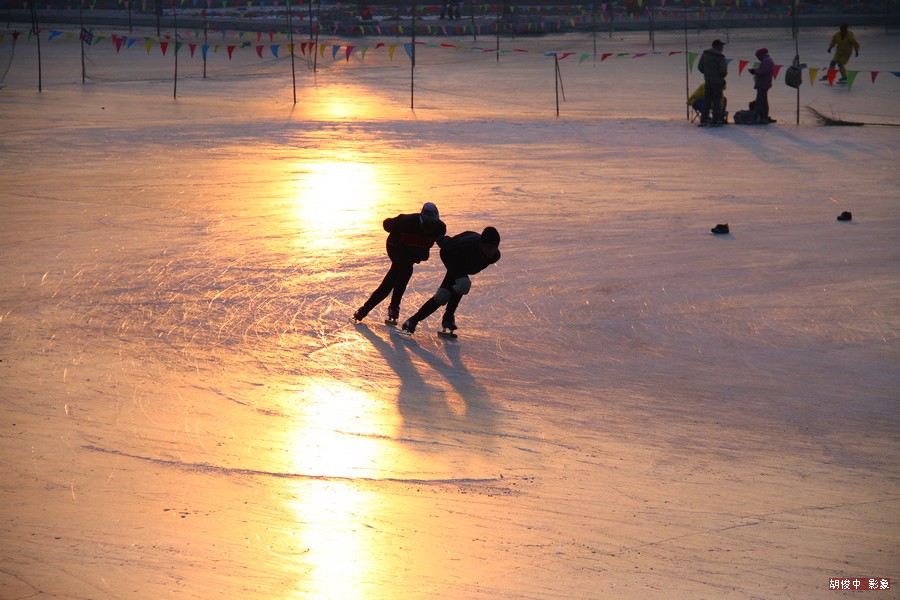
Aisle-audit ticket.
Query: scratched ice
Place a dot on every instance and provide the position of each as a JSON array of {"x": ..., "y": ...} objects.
[{"x": 635, "y": 408}]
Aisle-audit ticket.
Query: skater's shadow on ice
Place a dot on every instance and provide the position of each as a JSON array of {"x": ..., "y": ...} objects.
[{"x": 418, "y": 393}]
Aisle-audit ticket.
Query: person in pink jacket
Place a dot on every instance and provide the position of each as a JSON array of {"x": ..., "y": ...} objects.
[{"x": 762, "y": 82}]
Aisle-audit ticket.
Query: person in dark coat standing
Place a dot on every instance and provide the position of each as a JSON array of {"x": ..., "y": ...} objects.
[
  {"x": 464, "y": 254},
  {"x": 762, "y": 82},
  {"x": 714, "y": 68},
  {"x": 410, "y": 239}
]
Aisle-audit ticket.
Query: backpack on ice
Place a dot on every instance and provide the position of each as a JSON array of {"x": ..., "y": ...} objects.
[
  {"x": 794, "y": 75},
  {"x": 744, "y": 117}
]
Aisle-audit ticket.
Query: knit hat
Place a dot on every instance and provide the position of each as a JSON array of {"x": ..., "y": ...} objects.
[
  {"x": 430, "y": 212},
  {"x": 718, "y": 44},
  {"x": 761, "y": 53},
  {"x": 490, "y": 236}
]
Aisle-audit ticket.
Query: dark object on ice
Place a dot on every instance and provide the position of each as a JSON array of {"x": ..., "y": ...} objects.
[
  {"x": 447, "y": 333},
  {"x": 720, "y": 228},
  {"x": 845, "y": 216}
]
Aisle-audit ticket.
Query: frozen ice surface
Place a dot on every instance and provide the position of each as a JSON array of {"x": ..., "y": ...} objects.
[{"x": 635, "y": 408}]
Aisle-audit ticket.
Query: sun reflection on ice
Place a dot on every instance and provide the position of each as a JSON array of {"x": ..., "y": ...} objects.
[
  {"x": 344, "y": 439},
  {"x": 332, "y": 200}
]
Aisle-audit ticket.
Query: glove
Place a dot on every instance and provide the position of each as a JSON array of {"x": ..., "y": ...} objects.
[
  {"x": 829, "y": 50},
  {"x": 857, "y": 55},
  {"x": 753, "y": 71}
]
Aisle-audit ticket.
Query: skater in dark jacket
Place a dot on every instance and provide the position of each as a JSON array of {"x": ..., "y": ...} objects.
[
  {"x": 410, "y": 239},
  {"x": 464, "y": 254},
  {"x": 714, "y": 67}
]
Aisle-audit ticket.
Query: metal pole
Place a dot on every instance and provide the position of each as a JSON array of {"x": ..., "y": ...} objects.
[{"x": 291, "y": 49}]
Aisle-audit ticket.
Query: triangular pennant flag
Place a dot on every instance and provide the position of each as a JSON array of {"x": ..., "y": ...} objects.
[
  {"x": 582, "y": 58},
  {"x": 334, "y": 51},
  {"x": 177, "y": 46},
  {"x": 605, "y": 56},
  {"x": 741, "y": 66},
  {"x": 148, "y": 44},
  {"x": 85, "y": 39},
  {"x": 362, "y": 53},
  {"x": 409, "y": 49},
  {"x": 132, "y": 41},
  {"x": 639, "y": 54},
  {"x": 230, "y": 51},
  {"x": 348, "y": 52},
  {"x": 322, "y": 50},
  {"x": 391, "y": 49},
  {"x": 204, "y": 49},
  {"x": 566, "y": 55},
  {"x": 851, "y": 77},
  {"x": 275, "y": 48},
  {"x": 259, "y": 51},
  {"x": 832, "y": 73},
  {"x": 812, "y": 76},
  {"x": 692, "y": 58},
  {"x": 164, "y": 46},
  {"x": 117, "y": 42},
  {"x": 874, "y": 75},
  {"x": 775, "y": 72}
]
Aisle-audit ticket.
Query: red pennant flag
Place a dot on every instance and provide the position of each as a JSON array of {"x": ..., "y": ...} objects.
[
  {"x": 741, "y": 66},
  {"x": 348, "y": 51},
  {"x": 230, "y": 51},
  {"x": 192, "y": 47},
  {"x": 259, "y": 50},
  {"x": 874, "y": 75},
  {"x": 605, "y": 56},
  {"x": 775, "y": 72},
  {"x": 164, "y": 46}
]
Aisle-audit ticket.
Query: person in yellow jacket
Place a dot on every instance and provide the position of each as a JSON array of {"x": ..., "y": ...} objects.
[
  {"x": 845, "y": 44},
  {"x": 698, "y": 101}
]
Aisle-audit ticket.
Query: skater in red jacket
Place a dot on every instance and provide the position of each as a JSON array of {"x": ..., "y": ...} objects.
[
  {"x": 410, "y": 239},
  {"x": 464, "y": 254}
]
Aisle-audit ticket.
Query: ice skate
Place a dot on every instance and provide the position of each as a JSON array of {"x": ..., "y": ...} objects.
[
  {"x": 393, "y": 316},
  {"x": 448, "y": 323},
  {"x": 408, "y": 328}
]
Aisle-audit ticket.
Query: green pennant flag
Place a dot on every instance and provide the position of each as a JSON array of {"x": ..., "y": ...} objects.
[{"x": 692, "y": 58}]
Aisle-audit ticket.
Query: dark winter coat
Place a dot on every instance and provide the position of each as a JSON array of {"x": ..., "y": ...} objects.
[
  {"x": 714, "y": 67},
  {"x": 764, "y": 73},
  {"x": 463, "y": 254},
  {"x": 411, "y": 237}
]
